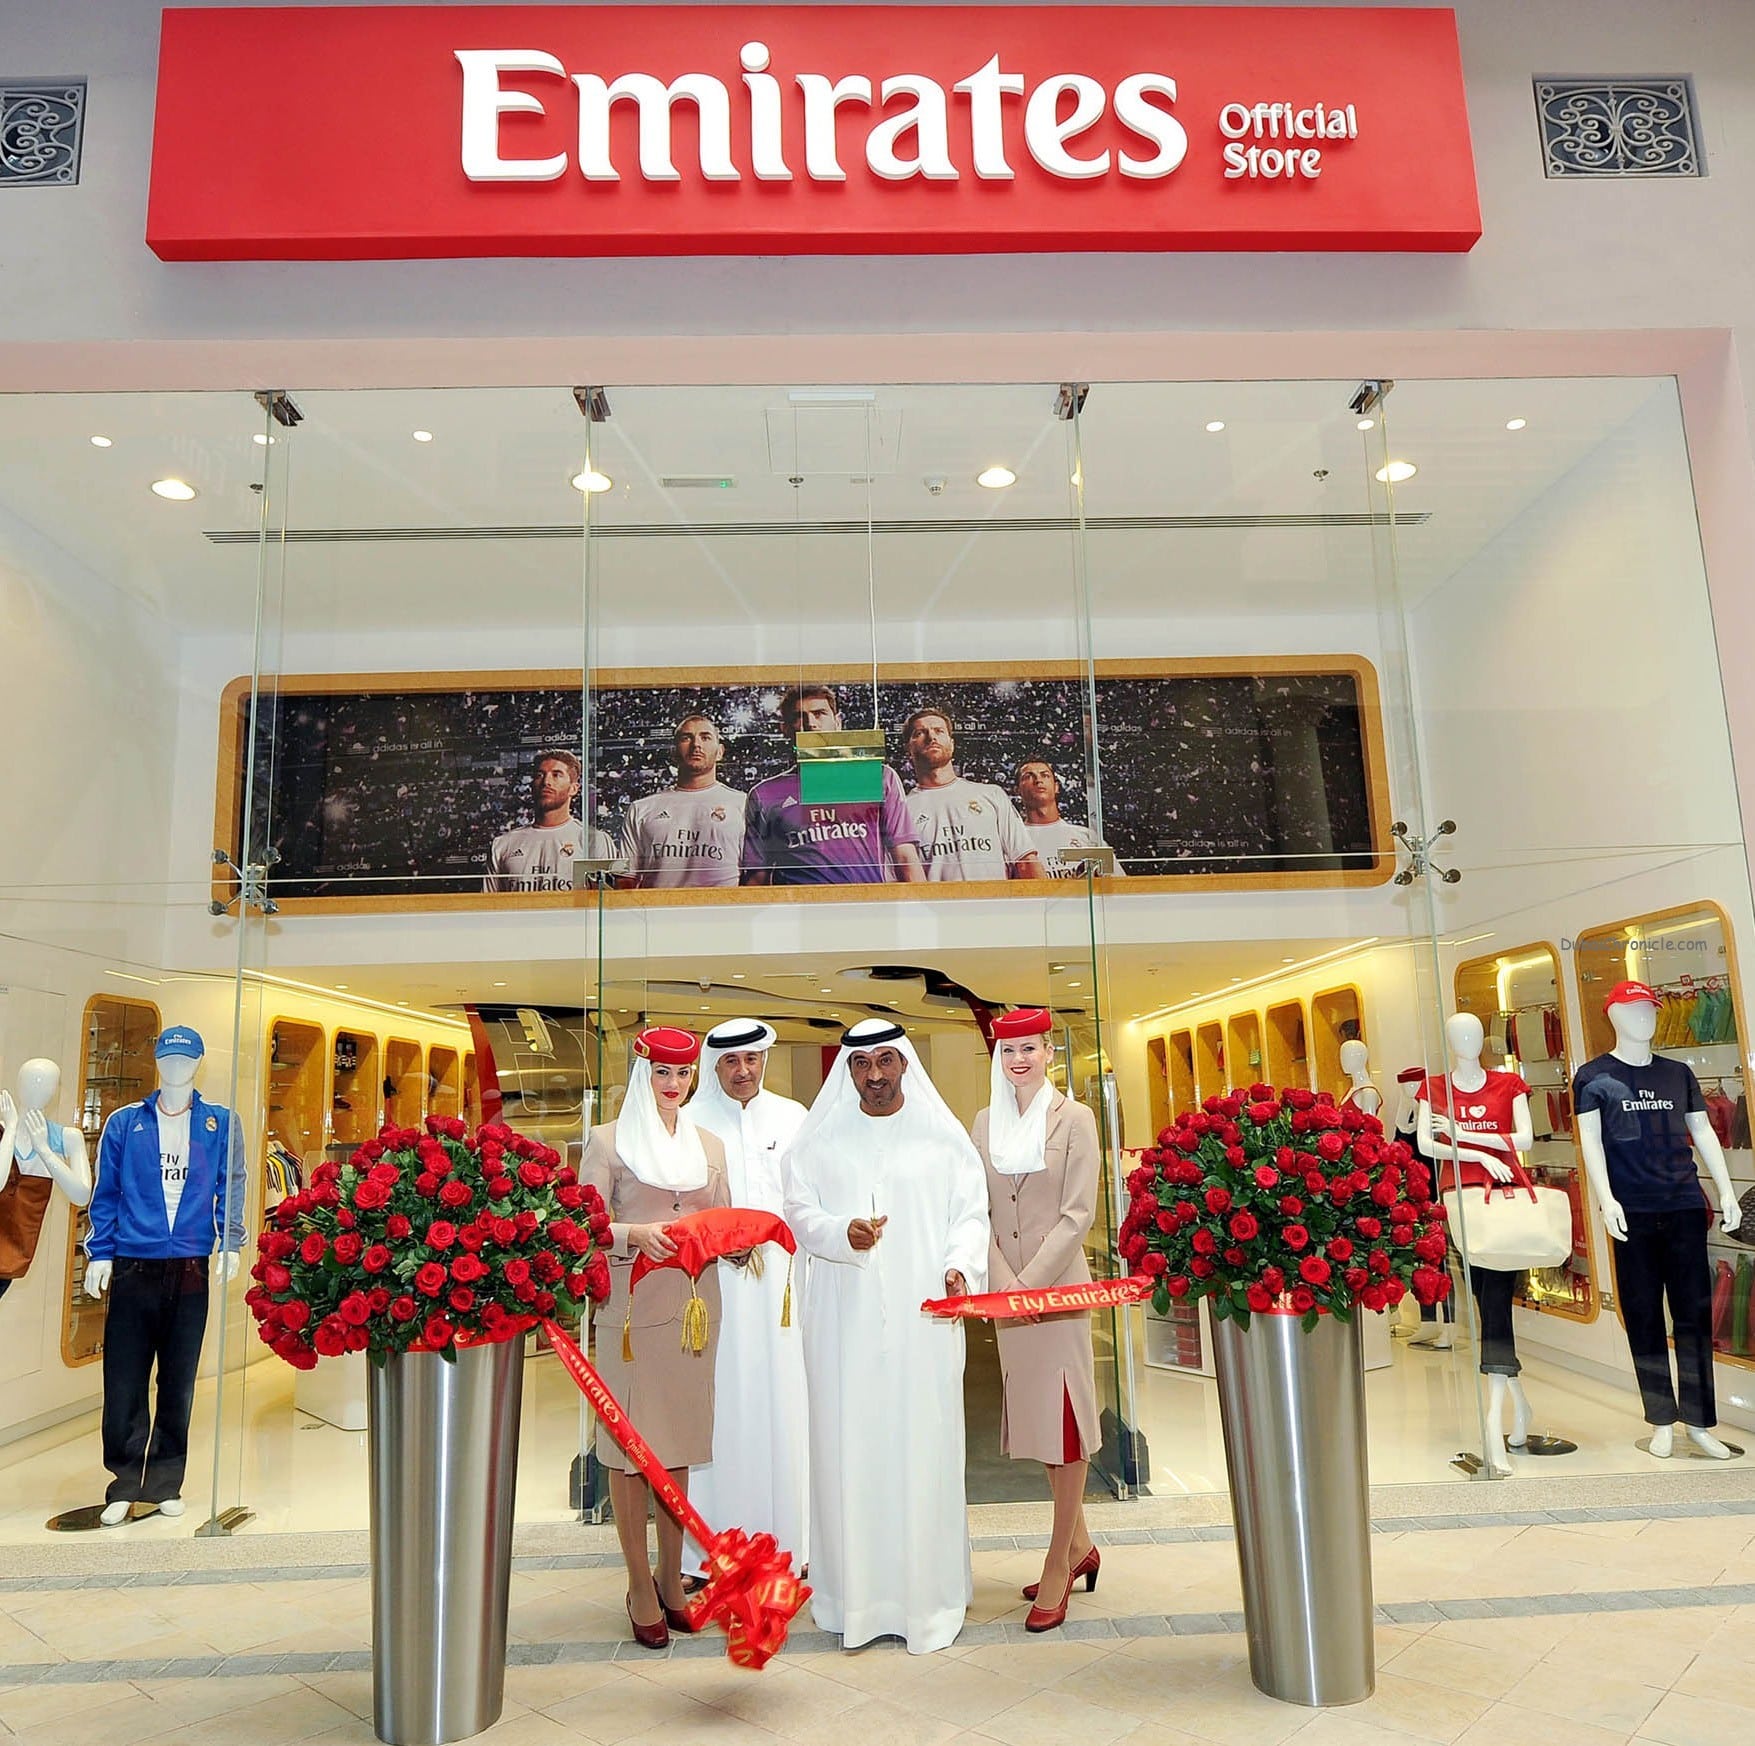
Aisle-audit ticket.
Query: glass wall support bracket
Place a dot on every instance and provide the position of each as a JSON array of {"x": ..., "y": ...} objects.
[
  {"x": 252, "y": 881},
  {"x": 225, "y": 1523}
]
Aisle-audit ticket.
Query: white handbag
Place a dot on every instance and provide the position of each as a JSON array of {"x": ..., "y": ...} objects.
[{"x": 1510, "y": 1226}]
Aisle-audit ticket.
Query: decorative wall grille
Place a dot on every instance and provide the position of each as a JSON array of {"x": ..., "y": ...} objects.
[
  {"x": 1619, "y": 127},
  {"x": 41, "y": 121}
]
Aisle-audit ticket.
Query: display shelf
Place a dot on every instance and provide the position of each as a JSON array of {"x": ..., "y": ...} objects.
[
  {"x": 471, "y": 1091},
  {"x": 444, "y": 1081},
  {"x": 1244, "y": 1060},
  {"x": 356, "y": 1090},
  {"x": 1181, "y": 1061},
  {"x": 1337, "y": 1015},
  {"x": 1288, "y": 1045},
  {"x": 115, "y": 1068},
  {"x": 298, "y": 1089},
  {"x": 404, "y": 1084},
  {"x": 1158, "y": 1084},
  {"x": 1209, "y": 1060}
]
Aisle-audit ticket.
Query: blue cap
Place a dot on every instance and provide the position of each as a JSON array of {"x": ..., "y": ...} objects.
[{"x": 179, "y": 1040}]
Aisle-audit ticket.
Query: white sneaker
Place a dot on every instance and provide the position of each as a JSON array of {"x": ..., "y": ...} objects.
[
  {"x": 113, "y": 1515},
  {"x": 171, "y": 1506}
]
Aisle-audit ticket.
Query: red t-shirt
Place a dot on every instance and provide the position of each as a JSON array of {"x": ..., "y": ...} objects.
[{"x": 1487, "y": 1111}]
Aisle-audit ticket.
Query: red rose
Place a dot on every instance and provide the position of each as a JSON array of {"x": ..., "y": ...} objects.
[
  {"x": 1402, "y": 1214},
  {"x": 1430, "y": 1285},
  {"x": 1178, "y": 1284},
  {"x": 436, "y": 1334},
  {"x": 369, "y": 1196},
  {"x": 441, "y": 1234},
  {"x": 354, "y": 1309},
  {"x": 472, "y": 1237},
  {"x": 379, "y": 1298},
  {"x": 349, "y": 1246},
  {"x": 376, "y": 1258},
  {"x": 455, "y": 1193},
  {"x": 468, "y": 1268},
  {"x": 1340, "y": 1249},
  {"x": 597, "y": 1276},
  {"x": 1332, "y": 1145},
  {"x": 1152, "y": 1266},
  {"x": 454, "y": 1129},
  {"x": 427, "y": 1183},
  {"x": 1357, "y": 1278},
  {"x": 1245, "y": 1226},
  {"x": 276, "y": 1277},
  {"x": 517, "y": 1270},
  {"x": 1166, "y": 1221},
  {"x": 1266, "y": 1176},
  {"x": 532, "y": 1174},
  {"x": 526, "y": 1223},
  {"x": 547, "y": 1267},
  {"x": 1218, "y": 1200},
  {"x": 397, "y": 1226},
  {"x": 313, "y": 1248},
  {"x": 1205, "y": 1243},
  {"x": 403, "y": 1309},
  {"x": 1263, "y": 1111},
  {"x": 1303, "y": 1300},
  {"x": 294, "y": 1316},
  {"x": 1385, "y": 1192},
  {"x": 1286, "y": 1158},
  {"x": 1314, "y": 1270},
  {"x": 544, "y": 1303},
  {"x": 1234, "y": 1157},
  {"x": 1296, "y": 1237},
  {"x": 1273, "y": 1279},
  {"x": 1259, "y": 1093},
  {"x": 330, "y": 1337},
  {"x": 1260, "y": 1298},
  {"x": 1202, "y": 1268},
  {"x": 346, "y": 1220},
  {"x": 504, "y": 1231},
  {"x": 1186, "y": 1212},
  {"x": 1138, "y": 1181},
  {"x": 499, "y": 1187},
  {"x": 1291, "y": 1205},
  {"x": 1372, "y": 1228},
  {"x": 461, "y": 1299},
  {"x": 1234, "y": 1257},
  {"x": 1301, "y": 1122},
  {"x": 572, "y": 1198},
  {"x": 1185, "y": 1140},
  {"x": 1430, "y": 1247},
  {"x": 1315, "y": 1182},
  {"x": 1374, "y": 1297},
  {"x": 1378, "y": 1261},
  {"x": 429, "y": 1279},
  {"x": 1296, "y": 1097},
  {"x": 525, "y": 1293}
]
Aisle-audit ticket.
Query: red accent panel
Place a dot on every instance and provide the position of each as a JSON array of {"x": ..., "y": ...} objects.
[{"x": 336, "y": 133}]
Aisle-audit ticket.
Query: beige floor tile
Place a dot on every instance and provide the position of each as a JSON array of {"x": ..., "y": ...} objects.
[
  {"x": 24, "y": 1707},
  {"x": 115, "y": 1724},
  {"x": 1652, "y": 1648},
  {"x": 1418, "y": 1710},
  {"x": 1051, "y": 1718},
  {"x": 541, "y": 1688},
  {"x": 194, "y": 1700},
  {"x": 278, "y": 1722},
  {"x": 1528, "y": 1639},
  {"x": 873, "y": 1721},
  {"x": 781, "y": 1696},
  {"x": 532, "y": 1728},
  {"x": 1145, "y": 1686},
  {"x": 1346, "y": 1727},
  {"x": 1038, "y": 1664},
  {"x": 352, "y": 1691},
  {"x": 883, "y": 1669},
  {"x": 1722, "y": 1680},
  {"x": 1682, "y": 1719},
  {"x": 1507, "y": 1725},
  {"x": 964, "y": 1695},
  {"x": 1239, "y": 1718},
  {"x": 1436, "y": 1660},
  {"x": 1156, "y": 1734},
  {"x": 627, "y": 1708},
  {"x": 20, "y": 1643},
  {"x": 1598, "y": 1696}
]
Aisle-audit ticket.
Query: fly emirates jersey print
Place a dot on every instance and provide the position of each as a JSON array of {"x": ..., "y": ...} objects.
[
  {"x": 1049, "y": 839},
  {"x": 967, "y": 830},
  {"x": 688, "y": 836},
  {"x": 1488, "y": 1112},
  {"x": 535, "y": 858}
]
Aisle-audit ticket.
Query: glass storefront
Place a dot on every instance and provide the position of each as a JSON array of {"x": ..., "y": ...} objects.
[{"x": 1256, "y": 729}]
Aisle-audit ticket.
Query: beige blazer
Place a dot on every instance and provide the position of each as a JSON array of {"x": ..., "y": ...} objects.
[{"x": 1040, "y": 1221}]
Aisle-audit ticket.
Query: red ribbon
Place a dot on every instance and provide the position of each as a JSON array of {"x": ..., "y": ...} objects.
[
  {"x": 1046, "y": 1300},
  {"x": 751, "y": 1593},
  {"x": 702, "y": 1237}
]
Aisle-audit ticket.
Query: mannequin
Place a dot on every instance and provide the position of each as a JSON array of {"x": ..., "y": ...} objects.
[
  {"x": 1362, "y": 1091},
  {"x": 1641, "y": 1122},
  {"x": 1491, "y": 1109},
  {"x": 1437, "y": 1320},
  {"x": 47, "y": 1155},
  {"x": 170, "y": 1180}
]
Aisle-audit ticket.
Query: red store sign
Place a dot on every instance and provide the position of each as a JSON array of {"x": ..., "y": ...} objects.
[{"x": 379, "y": 132}]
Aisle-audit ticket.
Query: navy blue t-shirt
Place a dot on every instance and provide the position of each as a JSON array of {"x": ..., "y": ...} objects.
[{"x": 1646, "y": 1141}]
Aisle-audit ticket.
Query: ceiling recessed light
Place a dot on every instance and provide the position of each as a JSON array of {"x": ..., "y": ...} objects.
[
  {"x": 1288, "y": 960},
  {"x": 341, "y": 988},
  {"x": 1236, "y": 978},
  {"x": 996, "y": 478},
  {"x": 499, "y": 985},
  {"x": 402, "y": 1003},
  {"x": 262, "y": 439},
  {"x": 737, "y": 976},
  {"x": 592, "y": 481},
  {"x": 1396, "y": 472},
  {"x": 1516, "y": 423},
  {"x": 421, "y": 436},
  {"x": 705, "y": 1007},
  {"x": 102, "y": 442},
  {"x": 1075, "y": 985},
  {"x": 1215, "y": 425},
  {"x": 176, "y": 490},
  {"x": 1368, "y": 424}
]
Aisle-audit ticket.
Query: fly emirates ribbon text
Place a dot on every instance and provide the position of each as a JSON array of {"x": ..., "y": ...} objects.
[{"x": 1265, "y": 141}]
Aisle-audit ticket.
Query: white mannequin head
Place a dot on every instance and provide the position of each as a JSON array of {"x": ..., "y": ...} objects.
[
  {"x": 39, "y": 1083},
  {"x": 176, "y": 1072},
  {"x": 1464, "y": 1036},
  {"x": 1355, "y": 1058},
  {"x": 1635, "y": 1021}
]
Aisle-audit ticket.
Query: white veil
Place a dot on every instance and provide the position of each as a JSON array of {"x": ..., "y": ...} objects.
[
  {"x": 1017, "y": 1140},
  {"x": 674, "y": 1162}
]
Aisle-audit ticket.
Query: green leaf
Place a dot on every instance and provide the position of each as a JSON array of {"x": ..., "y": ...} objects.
[
  {"x": 1310, "y": 1320},
  {"x": 1161, "y": 1299},
  {"x": 1241, "y": 1317},
  {"x": 1340, "y": 1312},
  {"x": 448, "y": 1353},
  {"x": 1222, "y": 1308}
]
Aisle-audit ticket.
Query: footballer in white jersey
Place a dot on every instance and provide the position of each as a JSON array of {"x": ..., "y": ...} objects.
[
  {"x": 690, "y": 834},
  {"x": 540, "y": 856},
  {"x": 967, "y": 830},
  {"x": 1039, "y": 796}
]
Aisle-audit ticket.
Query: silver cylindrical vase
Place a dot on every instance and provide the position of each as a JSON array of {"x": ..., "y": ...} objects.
[
  {"x": 1293, "y": 1408},
  {"x": 443, "y": 1440}
]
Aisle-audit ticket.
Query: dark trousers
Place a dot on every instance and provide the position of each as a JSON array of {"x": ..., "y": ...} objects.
[
  {"x": 1493, "y": 1291},
  {"x": 157, "y": 1314},
  {"x": 1664, "y": 1257},
  {"x": 5, "y": 1286}
]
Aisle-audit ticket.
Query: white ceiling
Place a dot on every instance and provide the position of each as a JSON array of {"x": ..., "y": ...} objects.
[{"x": 503, "y": 459}]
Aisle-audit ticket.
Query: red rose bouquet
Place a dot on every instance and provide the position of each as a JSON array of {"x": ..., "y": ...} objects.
[
  {"x": 1279, "y": 1201},
  {"x": 422, "y": 1241}
]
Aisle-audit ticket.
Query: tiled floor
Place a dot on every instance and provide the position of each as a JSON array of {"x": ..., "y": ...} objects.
[{"x": 1581, "y": 1626}]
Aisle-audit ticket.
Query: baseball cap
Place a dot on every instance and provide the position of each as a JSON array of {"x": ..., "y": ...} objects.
[
  {"x": 1626, "y": 993},
  {"x": 179, "y": 1040}
]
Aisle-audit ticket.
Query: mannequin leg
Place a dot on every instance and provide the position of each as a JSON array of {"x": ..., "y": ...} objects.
[
  {"x": 1688, "y": 1291},
  {"x": 130, "y": 1340},
  {"x": 670, "y": 1547},
  {"x": 629, "y": 1498},
  {"x": 1520, "y": 1413},
  {"x": 182, "y": 1325},
  {"x": 1707, "y": 1443},
  {"x": 1663, "y": 1441},
  {"x": 1497, "y": 1389},
  {"x": 1640, "y": 1270}
]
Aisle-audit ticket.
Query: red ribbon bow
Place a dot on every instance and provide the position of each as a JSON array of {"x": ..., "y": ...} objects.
[{"x": 704, "y": 1236}]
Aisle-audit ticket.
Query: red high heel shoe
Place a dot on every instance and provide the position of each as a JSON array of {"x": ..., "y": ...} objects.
[
  {"x": 679, "y": 1618},
  {"x": 649, "y": 1636},
  {"x": 1087, "y": 1567},
  {"x": 1047, "y": 1618}
]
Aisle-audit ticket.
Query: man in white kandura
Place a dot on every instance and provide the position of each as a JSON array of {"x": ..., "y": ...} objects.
[
  {"x": 758, "y": 1478},
  {"x": 888, "y": 1197}
]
